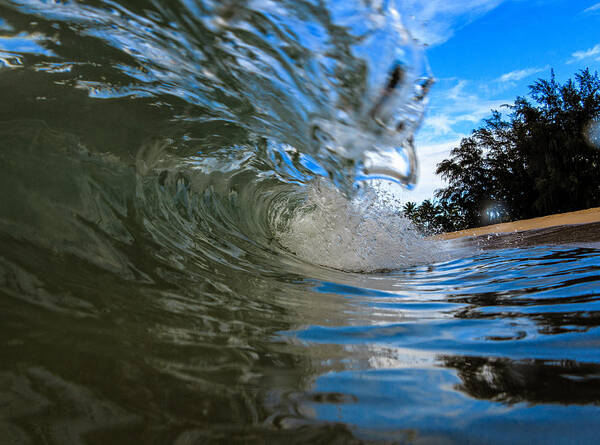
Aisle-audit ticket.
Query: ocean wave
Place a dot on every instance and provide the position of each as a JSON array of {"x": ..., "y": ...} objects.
[{"x": 213, "y": 127}]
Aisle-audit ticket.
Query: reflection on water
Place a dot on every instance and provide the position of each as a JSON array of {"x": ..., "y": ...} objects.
[
  {"x": 161, "y": 226},
  {"x": 564, "y": 382}
]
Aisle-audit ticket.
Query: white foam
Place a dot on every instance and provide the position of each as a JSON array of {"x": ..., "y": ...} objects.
[{"x": 365, "y": 234}]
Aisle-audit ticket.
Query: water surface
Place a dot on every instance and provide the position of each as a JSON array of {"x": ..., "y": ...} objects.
[{"x": 180, "y": 261}]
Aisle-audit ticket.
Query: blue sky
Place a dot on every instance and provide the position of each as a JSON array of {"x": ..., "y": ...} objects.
[{"x": 484, "y": 53}]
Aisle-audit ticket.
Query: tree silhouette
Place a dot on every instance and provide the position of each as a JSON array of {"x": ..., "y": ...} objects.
[
  {"x": 537, "y": 162},
  {"x": 409, "y": 208},
  {"x": 432, "y": 217}
]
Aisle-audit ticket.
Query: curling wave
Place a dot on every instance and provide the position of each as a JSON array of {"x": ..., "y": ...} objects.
[
  {"x": 194, "y": 247},
  {"x": 222, "y": 116}
]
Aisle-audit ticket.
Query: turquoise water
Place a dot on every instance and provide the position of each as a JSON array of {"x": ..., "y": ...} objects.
[{"x": 186, "y": 256}]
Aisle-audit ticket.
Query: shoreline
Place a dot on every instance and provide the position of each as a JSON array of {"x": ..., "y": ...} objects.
[
  {"x": 561, "y": 220},
  {"x": 581, "y": 227}
]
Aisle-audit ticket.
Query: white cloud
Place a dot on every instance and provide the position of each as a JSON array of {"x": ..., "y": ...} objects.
[
  {"x": 434, "y": 21},
  {"x": 457, "y": 110},
  {"x": 517, "y": 75},
  {"x": 593, "y": 8},
  {"x": 439, "y": 123},
  {"x": 430, "y": 155},
  {"x": 586, "y": 54},
  {"x": 457, "y": 91}
]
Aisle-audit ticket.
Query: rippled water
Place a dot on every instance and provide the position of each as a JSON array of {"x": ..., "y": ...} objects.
[{"x": 187, "y": 256}]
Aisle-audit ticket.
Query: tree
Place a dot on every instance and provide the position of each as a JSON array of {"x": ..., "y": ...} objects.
[
  {"x": 431, "y": 217},
  {"x": 466, "y": 171},
  {"x": 409, "y": 208},
  {"x": 535, "y": 163}
]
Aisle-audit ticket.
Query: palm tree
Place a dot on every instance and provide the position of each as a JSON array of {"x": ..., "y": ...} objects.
[{"x": 409, "y": 208}]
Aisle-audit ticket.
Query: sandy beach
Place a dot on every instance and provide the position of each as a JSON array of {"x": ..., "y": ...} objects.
[
  {"x": 581, "y": 227},
  {"x": 562, "y": 219}
]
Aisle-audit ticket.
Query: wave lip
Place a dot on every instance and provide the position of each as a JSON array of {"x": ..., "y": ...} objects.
[{"x": 345, "y": 85}]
